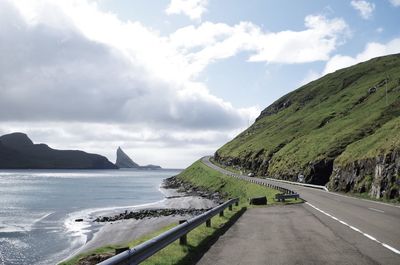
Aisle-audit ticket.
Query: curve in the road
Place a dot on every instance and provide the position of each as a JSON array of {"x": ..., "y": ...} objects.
[{"x": 378, "y": 222}]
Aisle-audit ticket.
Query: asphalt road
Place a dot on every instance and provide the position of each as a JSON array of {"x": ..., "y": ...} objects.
[{"x": 329, "y": 228}]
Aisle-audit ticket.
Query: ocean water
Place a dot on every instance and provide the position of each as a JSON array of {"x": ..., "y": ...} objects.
[{"x": 38, "y": 208}]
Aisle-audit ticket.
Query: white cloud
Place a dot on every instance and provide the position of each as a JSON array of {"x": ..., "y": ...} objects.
[
  {"x": 68, "y": 65},
  {"x": 296, "y": 47},
  {"x": 338, "y": 61},
  {"x": 98, "y": 68},
  {"x": 371, "y": 50},
  {"x": 395, "y": 3},
  {"x": 365, "y": 8},
  {"x": 194, "y": 9},
  {"x": 209, "y": 42}
]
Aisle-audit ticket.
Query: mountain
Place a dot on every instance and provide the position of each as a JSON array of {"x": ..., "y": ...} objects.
[
  {"x": 17, "y": 151},
  {"x": 342, "y": 130},
  {"x": 124, "y": 161}
]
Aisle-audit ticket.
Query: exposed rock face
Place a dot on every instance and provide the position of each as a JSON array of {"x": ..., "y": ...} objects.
[
  {"x": 379, "y": 176},
  {"x": 124, "y": 161},
  {"x": 17, "y": 151},
  {"x": 316, "y": 172}
]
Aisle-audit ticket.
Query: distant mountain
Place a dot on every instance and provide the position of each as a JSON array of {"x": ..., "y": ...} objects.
[
  {"x": 17, "y": 151},
  {"x": 342, "y": 130},
  {"x": 124, "y": 161}
]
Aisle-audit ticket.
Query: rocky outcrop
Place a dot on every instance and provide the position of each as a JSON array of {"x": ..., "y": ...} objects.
[
  {"x": 17, "y": 151},
  {"x": 124, "y": 161},
  {"x": 150, "y": 213},
  {"x": 191, "y": 190},
  {"x": 316, "y": 172},
  {"x": 379, "y": 176}
]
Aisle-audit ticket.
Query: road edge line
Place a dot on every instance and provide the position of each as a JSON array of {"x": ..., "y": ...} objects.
[{"x": 394, "y": 250}]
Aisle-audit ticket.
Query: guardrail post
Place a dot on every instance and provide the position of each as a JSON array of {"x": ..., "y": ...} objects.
[
  {"x": 182, "y": 239},
  {"x": 237, "y": 203},
  {"x": 208, "y": 223},
  {"x": 230, "y": 207},
  {"x": 221, "y": 213}
]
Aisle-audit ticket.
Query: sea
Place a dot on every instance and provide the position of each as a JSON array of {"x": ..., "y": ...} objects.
[{"x": 38, "y": 208}]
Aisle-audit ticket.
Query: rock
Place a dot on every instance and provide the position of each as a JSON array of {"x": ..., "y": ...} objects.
[
  {"x": 378, "y": 176},
  {"x": 124, "y": 161},
  {"x": 79, "y": 220},
  {"x": 259, "y": 201},
  {"x": 94, "y": 259},
  {"x": 372, "y": 90},
  {"x": 150, "y": 213}
]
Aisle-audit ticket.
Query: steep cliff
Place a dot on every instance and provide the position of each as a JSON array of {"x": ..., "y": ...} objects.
[
  {"x": 17, "y": 151},
  {"x": 371, "y": 165},
  {"x": 312, "y": 131},
  {"x": 124, "y": 161}
]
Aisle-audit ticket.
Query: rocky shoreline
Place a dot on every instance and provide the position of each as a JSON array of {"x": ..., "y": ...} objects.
[
  {"x": 183, "y": 188},
  {"x": 149, "y": 213},
  {"x": 190, "y": 190}
]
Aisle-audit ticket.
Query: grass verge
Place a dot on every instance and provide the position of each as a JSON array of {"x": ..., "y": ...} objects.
[
  {"x": 200, "y": 175},
  {"x": 199, "y": 241}
]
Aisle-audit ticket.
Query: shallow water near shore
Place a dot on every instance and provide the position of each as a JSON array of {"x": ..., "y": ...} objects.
[{"x": 38, "y": 208}]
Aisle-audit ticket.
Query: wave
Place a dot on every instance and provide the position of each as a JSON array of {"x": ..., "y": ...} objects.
[{"x": 87, "y": 229}]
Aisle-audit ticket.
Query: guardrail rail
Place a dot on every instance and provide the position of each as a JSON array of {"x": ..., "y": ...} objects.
[{"x": 147, "y": 249}]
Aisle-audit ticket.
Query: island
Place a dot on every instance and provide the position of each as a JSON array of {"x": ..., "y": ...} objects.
[
  {"x": 17, "y": 151},
  {"x": 124, "y": 161}
]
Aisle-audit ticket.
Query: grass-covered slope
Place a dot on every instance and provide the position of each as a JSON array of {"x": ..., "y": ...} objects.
[
  {"x": 339, "y": 114},
  {"x": 200, "y": 175}
]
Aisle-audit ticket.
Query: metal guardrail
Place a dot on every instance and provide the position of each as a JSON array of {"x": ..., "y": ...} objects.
[
  {"x": 227, "y": 172},
  {"x": 261, "y": 182},
  {"x": 281, "y": 197},
  {"x": 301, "y": 184},
  {"x": 146, "y": 249}
]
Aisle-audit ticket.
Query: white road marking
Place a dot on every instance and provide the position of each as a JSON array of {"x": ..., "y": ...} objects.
[
  {"x": 300, "y": 187},
  {"x": 372, "y": 201},
  {"x": 376, "y": 210},
  {"x": 356, "y": 229}
]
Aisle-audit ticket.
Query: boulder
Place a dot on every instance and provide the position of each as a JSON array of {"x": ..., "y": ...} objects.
[{"x": 258, "y": 200}]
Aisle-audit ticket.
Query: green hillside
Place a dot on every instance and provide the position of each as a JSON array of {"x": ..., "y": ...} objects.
[{"x": 349, "y": 115}]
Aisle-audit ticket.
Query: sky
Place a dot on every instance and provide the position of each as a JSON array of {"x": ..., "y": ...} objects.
[{"x": 171, "y": 80}]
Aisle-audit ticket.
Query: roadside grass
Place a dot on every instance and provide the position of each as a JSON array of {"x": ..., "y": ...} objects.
[
  {"x": 200, "y": 175},
  {"x": 199, "y": 241},
  {"x": 385, "y": 138}
]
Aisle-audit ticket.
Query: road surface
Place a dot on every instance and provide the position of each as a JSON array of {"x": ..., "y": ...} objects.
[{"x": 328, "y": 228}]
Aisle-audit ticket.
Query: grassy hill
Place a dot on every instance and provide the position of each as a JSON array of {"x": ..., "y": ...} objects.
[{"x": 328, "y": 128}]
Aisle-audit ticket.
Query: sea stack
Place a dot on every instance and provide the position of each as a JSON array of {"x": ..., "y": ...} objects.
[{"x": 124, "y": 161}]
